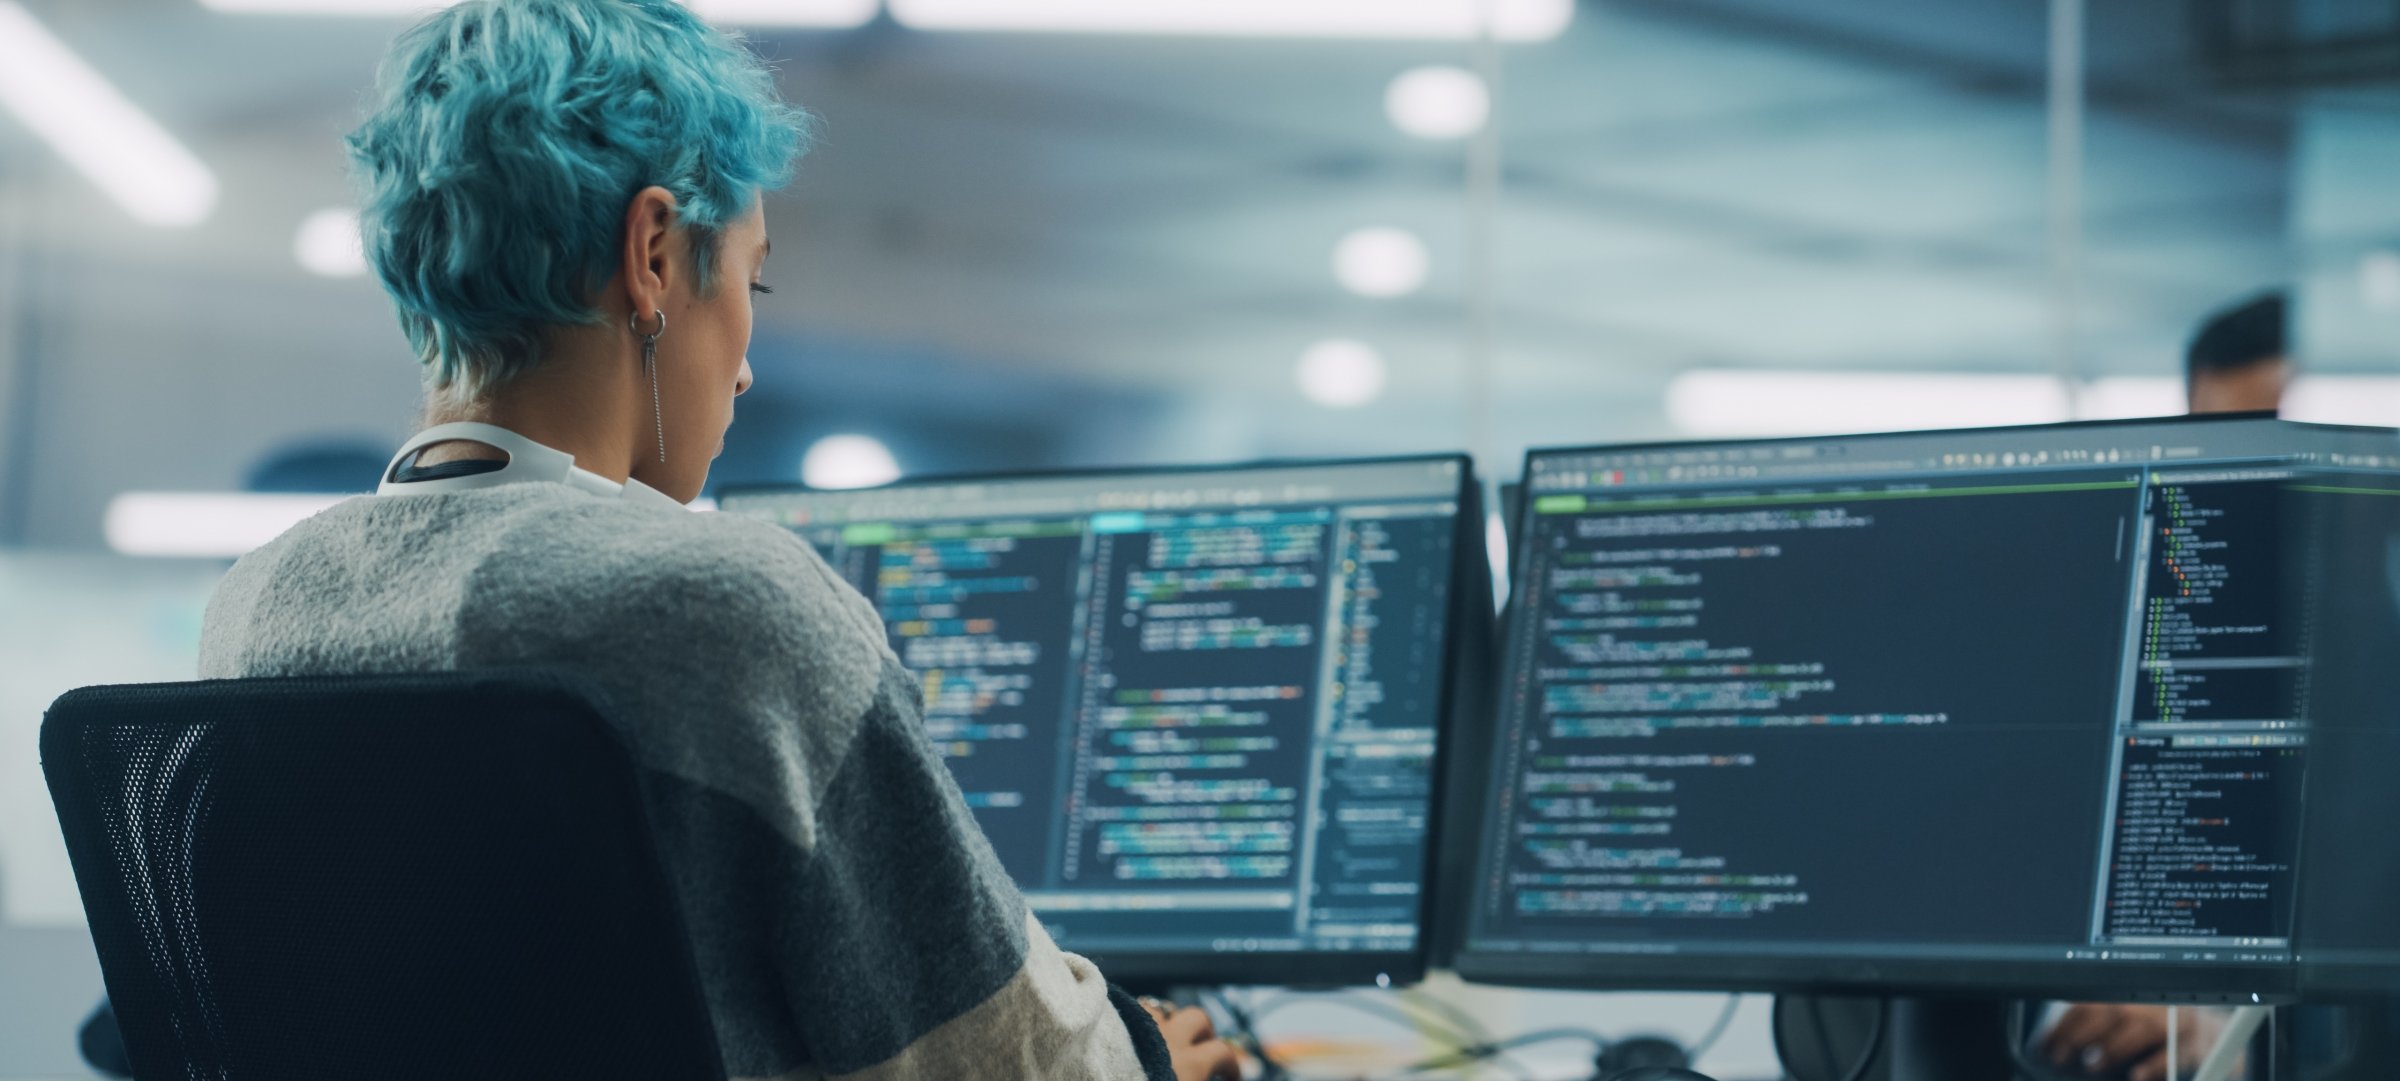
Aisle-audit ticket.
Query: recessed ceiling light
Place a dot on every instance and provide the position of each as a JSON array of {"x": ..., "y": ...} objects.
[
  {"x": 96, "y": 129},
  {"x": 1341, "y": 374},
  {"x": 1381, "y": 262},
  {"x": 328, "y": 244},
  {"x": 848, "y": 461},
  {"x": 1438, "y": 102}
]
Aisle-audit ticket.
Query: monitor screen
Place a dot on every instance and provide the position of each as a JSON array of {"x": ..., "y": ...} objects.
[
  {"x": 1197, "y": 712},
  {"x": 2349, "y": 921},
  {"x": 2010, "y": 708}
]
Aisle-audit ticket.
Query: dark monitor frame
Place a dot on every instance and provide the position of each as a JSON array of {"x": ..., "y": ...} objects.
[
  {"x": 1832, "y": 974},
  {"x": 2348, "y": 973},
  {"x": 1467, "y": 621}
]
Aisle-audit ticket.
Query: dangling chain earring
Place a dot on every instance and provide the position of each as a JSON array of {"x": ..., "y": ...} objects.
[{"x": 658, "y": 413}]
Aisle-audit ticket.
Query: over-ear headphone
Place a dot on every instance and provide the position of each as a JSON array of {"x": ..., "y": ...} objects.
[{"x": 1659, "y": 1073}]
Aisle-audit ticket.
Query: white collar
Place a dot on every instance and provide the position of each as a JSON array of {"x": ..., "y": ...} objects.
[{"x": 527, "y": 461}]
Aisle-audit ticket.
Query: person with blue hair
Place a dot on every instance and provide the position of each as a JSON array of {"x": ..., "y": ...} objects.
[{"x": 564, "y": 200}]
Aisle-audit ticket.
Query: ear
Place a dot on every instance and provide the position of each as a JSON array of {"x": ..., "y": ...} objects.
[{"x": 650, "y": 260}]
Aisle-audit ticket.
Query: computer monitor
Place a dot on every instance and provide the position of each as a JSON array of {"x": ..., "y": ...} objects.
[
  {"x": 2349, "y": 918},
  {"x": 2007, "y": 710},
  {"x": 1198, "y": 712}
]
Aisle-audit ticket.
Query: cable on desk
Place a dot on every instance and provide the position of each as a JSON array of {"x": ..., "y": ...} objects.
[
  {"x": 1487, "y": 1052},
  {"x": 1245, "y": 1035},
  {"x": 1469, "y": 1042},
  {"x": 1716, "y": 1032},
  {"x": 1461, "y": 1049},
  {"x": 1416, "y": 1023},
  {"x": 1466, "y": 1023}
]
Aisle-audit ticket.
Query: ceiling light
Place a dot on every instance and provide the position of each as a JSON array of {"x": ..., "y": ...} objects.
[
  {"x": 1724, "y": 403},
  {"x": 204, "y": 525},
  {"x": 328, "y": 244},
  {"x": 90, "y": 124},
  {"x": 1511, "y": 20},
  {"x": 824, "y": 13},
  {"x": 2125, "y": 397},
  {"x": 830, "y": 14},
  {"x": 2345, "y": 399},
  {"x": 1438, "y": 102},
  {"x": 1381, "y": 262},
  {"x": 2379, "y": 279},
  {"x": 848, "y": 461},
  {"x": 1341, "y": 374},
  {"x": 327, "y": 7}
]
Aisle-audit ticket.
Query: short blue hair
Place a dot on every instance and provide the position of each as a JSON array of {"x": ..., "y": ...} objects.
[{"x": 508, "y": 138}]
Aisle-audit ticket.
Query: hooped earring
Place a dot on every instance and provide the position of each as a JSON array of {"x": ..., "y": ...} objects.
[{"x": 658, "y": 412}]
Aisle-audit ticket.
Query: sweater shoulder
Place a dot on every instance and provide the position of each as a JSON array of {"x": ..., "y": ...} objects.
[{"x": 717, "y": 588}]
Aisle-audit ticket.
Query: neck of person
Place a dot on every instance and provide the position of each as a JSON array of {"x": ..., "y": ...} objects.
[{"x": 587, "y": 402}]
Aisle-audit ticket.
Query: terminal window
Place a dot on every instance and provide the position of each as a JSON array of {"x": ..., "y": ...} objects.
[
  {"x": 1205, "y": 724},
  {"x": 2026, "y": 696}
]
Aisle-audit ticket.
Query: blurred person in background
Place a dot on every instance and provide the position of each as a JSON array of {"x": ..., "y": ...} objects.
[
  {"x": 564, "y": 200},
  {"x": 2103, "y": 1039},
  {"x": 2240, "y": 361}
]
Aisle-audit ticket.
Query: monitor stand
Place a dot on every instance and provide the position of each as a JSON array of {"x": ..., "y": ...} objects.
[
  {"x": 1924, "y": 1039},
  {"x": 1948, "y": 1039}
]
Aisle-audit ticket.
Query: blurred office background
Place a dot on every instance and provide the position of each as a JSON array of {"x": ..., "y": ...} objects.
[{"x": 1041, "y": 233}]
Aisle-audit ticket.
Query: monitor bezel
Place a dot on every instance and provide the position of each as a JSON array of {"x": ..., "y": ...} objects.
[
  {"x": 1163, "y": 970},
  {"x": 1832, "y": 972}
]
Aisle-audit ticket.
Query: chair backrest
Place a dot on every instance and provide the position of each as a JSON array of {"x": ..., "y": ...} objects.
[{"x": 446, "y": 876}]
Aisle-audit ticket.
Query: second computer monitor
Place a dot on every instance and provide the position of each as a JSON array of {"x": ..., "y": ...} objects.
[
  {"x": 2011, "y": 709},
  {"x": 1197, "y": 712}
]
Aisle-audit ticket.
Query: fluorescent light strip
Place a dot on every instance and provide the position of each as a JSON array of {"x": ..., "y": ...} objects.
[
  {"x": 836, "y": 14},
  {"x": 2372, "y": 400},
  {"x": 828, "y": 14},
  {"x": 1736, "y": 404},
  {"x": 90, "y": 124},
  {"x": 1512, "y": 20},
  {"x": 2125, "y": 397},
  {"x": 362, "y": 8},
  {"x": 1739, "y": 403},
  {"x": 2345, "y": 399},
  {"x": 218, "y": 525},
  {"x": 204, "y": 525}
]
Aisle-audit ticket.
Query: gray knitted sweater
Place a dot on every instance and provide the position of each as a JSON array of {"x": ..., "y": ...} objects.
[{"x": 848, "y": 917}]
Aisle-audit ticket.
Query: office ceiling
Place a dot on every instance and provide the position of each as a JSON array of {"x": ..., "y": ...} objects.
[{"x": 1836, "y": 183}]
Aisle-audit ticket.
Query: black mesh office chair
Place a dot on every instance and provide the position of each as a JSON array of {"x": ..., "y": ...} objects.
[{"x": 413, "y": 877}]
